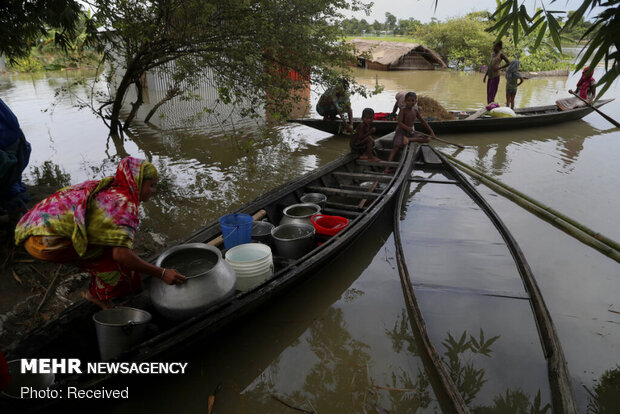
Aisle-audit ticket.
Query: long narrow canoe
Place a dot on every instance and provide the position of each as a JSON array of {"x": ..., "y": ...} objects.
[
  {"x": 535, "y": 116},
  {"x": 438, "y": 220},
  {"x": 72, "y": 334}
]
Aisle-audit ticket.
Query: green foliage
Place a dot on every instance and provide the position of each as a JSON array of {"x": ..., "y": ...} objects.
[
  {"x": 245, "y": 45},
  {"x": 50, "y": 174},
  {"x": 603, "y": 39},
  {"x": 606, "y": 396},
  {"x": 26, "y": 64},
  {"x": 47, "y": 54},
  {"x": 22, "y": 24},
  {"x": 463, "y": 42}
]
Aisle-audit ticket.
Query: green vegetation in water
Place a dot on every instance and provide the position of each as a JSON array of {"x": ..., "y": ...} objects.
[
  {"x": 46, "y": 54},
  {"x": 605, "y": 399}
]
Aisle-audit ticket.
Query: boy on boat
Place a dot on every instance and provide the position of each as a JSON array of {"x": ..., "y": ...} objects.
[
  {"x": 399, "y": 104},
  {"x": 513, "y": 81},
  {"x": 361, "y": 143},
  {"x": 405, "y": 130}
]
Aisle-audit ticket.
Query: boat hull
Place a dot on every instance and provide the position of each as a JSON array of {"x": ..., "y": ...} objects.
[{"x": 528, "y": 118}]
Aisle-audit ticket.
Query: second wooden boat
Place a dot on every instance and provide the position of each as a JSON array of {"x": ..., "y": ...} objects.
[
  {"x": 535, "y": 116},
  {"x": 454, "y": 265}
]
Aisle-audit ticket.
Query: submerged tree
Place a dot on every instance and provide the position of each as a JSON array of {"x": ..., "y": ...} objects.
[{"x": 250, "y": 46}]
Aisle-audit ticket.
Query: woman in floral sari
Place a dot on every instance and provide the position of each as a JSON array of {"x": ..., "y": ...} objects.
[{"x": 93, "y": 225}]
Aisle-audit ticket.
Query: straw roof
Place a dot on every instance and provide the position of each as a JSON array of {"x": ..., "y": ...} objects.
[{"x": 389, "y": 53}]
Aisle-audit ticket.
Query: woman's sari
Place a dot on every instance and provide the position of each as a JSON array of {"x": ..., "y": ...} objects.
[
  {"x": 84, "y": 222},
  {"x": 585, "y": 83}
]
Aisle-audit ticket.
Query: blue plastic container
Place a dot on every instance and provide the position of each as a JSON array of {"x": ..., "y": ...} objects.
[{"x": 236, "y": 229}]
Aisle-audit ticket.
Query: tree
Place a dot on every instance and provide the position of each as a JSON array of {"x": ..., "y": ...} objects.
[
  {"x": 24, "y": 23},
  {"x": 603, "y": 36},
  {"x": 407, "y": 26},
  {"x": 462, "y": 41},
  {"x": 377, "y": 26},
  {"x": 243, "y": 43},
  {"x": 390, "y": 21}
]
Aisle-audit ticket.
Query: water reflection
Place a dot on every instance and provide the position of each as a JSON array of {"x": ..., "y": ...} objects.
[
  {"x": 467, "y": 373},
  {"x": 604, "y": 398}
]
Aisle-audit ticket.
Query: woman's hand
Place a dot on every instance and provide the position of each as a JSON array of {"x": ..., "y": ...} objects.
[
  {"x": 172, "y": 277},
  {"x": 372, "y": 130}
]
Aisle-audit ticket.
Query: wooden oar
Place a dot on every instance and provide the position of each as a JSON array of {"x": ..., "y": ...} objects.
[
  {"x": 607, "y": 117},
  {"x": 440, "y": 140}
]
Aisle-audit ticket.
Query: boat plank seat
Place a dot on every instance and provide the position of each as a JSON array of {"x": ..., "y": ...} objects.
[
  {"x": 342, "y": 213},
  {"x": 426, "y": 180},
  {"x": 360, "y": 188},
  {"x": 430, "y": 157},
  {"x": 343, "y": 206},
  {"x": 363, "y": 176},
  {"x": 377, "y": 163},
  {"x": 345, "y": 193}
]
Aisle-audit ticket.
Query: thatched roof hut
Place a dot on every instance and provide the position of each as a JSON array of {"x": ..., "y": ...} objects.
[{"x": 395, "y": 55}]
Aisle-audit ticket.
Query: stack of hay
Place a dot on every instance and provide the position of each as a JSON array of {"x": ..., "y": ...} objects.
[{"x": 430, "y": 108}]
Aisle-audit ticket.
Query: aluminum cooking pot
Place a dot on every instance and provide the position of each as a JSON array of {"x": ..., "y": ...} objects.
[
  {"x": 293, "y": 240},
  {"x": 209, "y": 280},
  {"x": 300, "y": 213}
]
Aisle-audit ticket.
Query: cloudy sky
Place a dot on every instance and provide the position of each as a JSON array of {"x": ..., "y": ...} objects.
[{"x": 423, "y": 10}]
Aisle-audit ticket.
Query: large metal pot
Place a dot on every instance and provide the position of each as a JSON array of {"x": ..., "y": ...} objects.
[
  {"x": 300, "y": 213},
  {"x": 315, "y": 198},
  {"x": 293, "y": 240},
  {"x": 209, "y": 280}
]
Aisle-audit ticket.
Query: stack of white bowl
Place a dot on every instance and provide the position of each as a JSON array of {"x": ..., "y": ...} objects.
[{"x": 252, "y": 263}]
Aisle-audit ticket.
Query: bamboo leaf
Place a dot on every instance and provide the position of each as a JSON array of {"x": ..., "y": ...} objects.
[
  {"x": 554, "y": 29},
  {"x": 515, "y": 29},
  {"x": 504, "y": 20},
  {"x": 535, "y": 25},
  {"x": 501, "y": 8},
  {"x": 541, "y": 34}
]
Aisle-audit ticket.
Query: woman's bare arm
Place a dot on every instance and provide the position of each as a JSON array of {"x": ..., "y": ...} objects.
[{"x": 130, "y": 260}]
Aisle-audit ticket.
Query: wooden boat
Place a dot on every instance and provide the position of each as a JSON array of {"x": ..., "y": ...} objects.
[
  {"x": 432, "y": 169},
  {"x": 535, "y": 116},
  {"x": 72, "y": 334}
]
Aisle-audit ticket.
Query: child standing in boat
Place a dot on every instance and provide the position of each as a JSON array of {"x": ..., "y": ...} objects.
[
  {"x": 361, "y": 143},
  {"x": 405, "y": 130},
  {"x": 513, "y": 80}
]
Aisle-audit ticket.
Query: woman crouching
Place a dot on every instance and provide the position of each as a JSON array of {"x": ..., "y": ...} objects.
[{"x": 92, "y": 225}]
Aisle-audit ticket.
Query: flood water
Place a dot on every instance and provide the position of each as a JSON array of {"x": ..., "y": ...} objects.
[{"x": 342, "y": 341}]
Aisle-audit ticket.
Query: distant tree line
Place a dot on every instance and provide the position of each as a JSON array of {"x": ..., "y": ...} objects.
[{"x": 464, "y": 42}]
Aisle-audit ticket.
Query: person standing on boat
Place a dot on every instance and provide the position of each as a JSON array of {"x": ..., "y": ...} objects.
[
  {"x": 405, "y": 128},
  {"x": 513, "y": 81},
  {"x": 586, "y": 86},
  {"x": 493, "y": 71},
  {"x": 335, "y": 102},
  {"x": 92, "y": 225}
]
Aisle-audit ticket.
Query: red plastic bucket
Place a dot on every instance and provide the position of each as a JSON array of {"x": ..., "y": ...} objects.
[{"x": 328, "y": 225}]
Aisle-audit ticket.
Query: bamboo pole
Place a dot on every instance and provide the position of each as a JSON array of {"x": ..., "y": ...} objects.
[
  {"x": 598, "y": 236},
  {"x": 546, "y": 215},
  {"x": 259, "y": 215}
]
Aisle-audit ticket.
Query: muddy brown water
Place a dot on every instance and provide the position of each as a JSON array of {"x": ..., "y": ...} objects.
[{"x": 342, "y": 342}]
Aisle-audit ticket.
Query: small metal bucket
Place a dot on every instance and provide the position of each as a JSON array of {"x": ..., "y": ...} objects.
[
  {"x": 29, "y": 380},
  {"x": 118, "y": 329}
]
